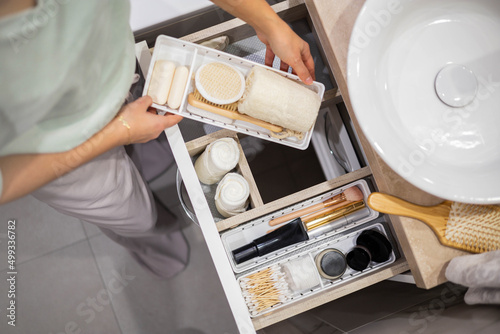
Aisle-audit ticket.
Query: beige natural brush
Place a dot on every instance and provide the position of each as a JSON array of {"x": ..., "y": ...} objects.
[
  {"x": 473, "y": 228},
  {"x": 219, "y": 83},
  {"x": 228, "y": 110}
]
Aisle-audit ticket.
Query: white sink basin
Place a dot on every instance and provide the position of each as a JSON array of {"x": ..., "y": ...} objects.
[{"x": 424, "y": 82}]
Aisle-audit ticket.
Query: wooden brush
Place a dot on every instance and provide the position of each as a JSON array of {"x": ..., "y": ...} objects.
[
  {"x": 228, "y": 110},
  {"x": 352, "y": 194},
  {"x": 469, "y": 227}
]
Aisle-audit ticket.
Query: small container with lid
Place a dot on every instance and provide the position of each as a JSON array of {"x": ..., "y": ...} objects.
[{"x": 331, "y": 263}]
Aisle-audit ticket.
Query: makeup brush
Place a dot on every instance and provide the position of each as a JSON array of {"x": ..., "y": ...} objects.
[
  {"x": 352, "y": 194},
  {"x": 473, "y": 228}
]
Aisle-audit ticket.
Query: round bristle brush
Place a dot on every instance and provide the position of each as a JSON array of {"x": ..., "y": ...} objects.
[
  {"x": 469, "y": 227},
  {"x": 352, "y": 194}
]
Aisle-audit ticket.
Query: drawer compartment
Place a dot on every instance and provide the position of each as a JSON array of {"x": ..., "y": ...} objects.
[
  {"x": 245, "y": 233},
  {"x": 287, "y": 274},
  {"x": 224, "y": 236},
  {"x": 195, "y": 148}
]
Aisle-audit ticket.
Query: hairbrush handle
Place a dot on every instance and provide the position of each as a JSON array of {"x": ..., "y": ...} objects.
[
  {"x": 335, "y": 200},
  {"x": 396, "y": 206},
  {"x": 471, "y": 231}
]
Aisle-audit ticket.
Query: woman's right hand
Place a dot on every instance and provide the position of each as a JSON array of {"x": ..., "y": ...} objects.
[
  {"x": 23, "y": 173},
  {"x": 144, "y": 124}
]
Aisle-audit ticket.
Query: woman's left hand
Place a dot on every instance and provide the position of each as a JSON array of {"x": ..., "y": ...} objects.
[{"x": 292, "y": 50}]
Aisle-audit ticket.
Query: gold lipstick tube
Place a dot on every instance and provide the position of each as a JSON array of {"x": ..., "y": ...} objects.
[{"x": 344, "y": 211}]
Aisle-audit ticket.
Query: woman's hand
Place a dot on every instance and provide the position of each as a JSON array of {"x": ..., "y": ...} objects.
[
  {"x": 139, "y": 123},
  {"x": 279, "y": 38},
  {"x": 23, "y": 173},
  {"x": 292, "y": 50}
]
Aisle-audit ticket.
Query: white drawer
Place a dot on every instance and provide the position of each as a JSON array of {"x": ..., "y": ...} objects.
[{"x": 214, "y": 232}]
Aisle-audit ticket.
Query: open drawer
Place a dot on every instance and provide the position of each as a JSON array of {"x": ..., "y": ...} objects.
[
  {"x": 223, "y": 236},
  {"x": 226, "y": 235}
]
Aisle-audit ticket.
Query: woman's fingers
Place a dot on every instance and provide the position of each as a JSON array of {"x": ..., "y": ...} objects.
[
  {"x": 309, "y": 61},
  {"x": 143, "y": 102},
  {"x": 303, "y": 72},
  {"x": 171, "y": 119}
]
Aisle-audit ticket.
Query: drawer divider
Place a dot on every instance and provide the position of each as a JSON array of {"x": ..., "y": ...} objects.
[{"x": 209, "y": 230}]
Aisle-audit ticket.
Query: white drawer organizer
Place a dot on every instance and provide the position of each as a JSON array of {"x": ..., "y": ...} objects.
[
  {"x": 338, "y": 241},
  {"x": 193, "y": 56},
  {"x": 253, "y": 229},
  {"x": 342, "y": 237}
]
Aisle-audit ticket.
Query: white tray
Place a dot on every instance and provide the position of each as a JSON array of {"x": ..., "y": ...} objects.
[
  {"x": 246, "y": 233},
  {"x": 344, "y": 244},
  {"x": 193, "y": 56}
]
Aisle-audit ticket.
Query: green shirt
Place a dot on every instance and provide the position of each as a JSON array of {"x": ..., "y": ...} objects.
[{"x": 65, "y": 70}]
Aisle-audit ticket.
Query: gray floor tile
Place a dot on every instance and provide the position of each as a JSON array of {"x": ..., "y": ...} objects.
[
  {"x": 304, "y": 323},
  {"x": 439, "y": 315},
  {"x": 61, "y": 292},
  {"x": 164, "y": 187},
  {"x": 39, "y": 229},
  {"x": 372, "y": 303},
  {"x": 192, "y": 302},
  {"x": 90, "y": 229}
]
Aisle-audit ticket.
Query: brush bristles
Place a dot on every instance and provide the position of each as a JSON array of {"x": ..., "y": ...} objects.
[
  {"x": 475, "y": 227},
  {"x": 230, "y": 107},
  {"x": 353, "y": 194}
]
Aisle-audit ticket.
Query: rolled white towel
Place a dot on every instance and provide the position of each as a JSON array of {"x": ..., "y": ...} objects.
[
  {"x": 218, "y": 158},
  {"x": 275, "y": 99},
  {"x": 231, "y": 196}
]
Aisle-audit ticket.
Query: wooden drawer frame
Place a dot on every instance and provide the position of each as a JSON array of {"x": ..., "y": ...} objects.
[{"x": 237, "y": 30}]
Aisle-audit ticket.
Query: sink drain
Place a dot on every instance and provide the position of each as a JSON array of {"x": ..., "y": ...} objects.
[{"x": 456, "y": 85}]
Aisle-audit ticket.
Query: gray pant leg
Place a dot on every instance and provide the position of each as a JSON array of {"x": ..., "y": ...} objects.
[{"x": 110, "y": 193}]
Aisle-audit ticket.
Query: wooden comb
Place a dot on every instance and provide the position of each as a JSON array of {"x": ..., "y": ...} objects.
[
  {"x": 469, "y": 227},
  {"x": 228, "y": 110}
]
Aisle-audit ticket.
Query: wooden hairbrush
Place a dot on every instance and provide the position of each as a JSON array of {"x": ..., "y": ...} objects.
[
  {"x": 469, "y": 227},
  {"x": 228, "y": 110}
]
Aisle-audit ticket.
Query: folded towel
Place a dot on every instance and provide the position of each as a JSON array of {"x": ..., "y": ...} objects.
[
  {"x": 476, "y": 270},
  {"x": 480, "y": 273},
  {"x": 482, "y": 296}
]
